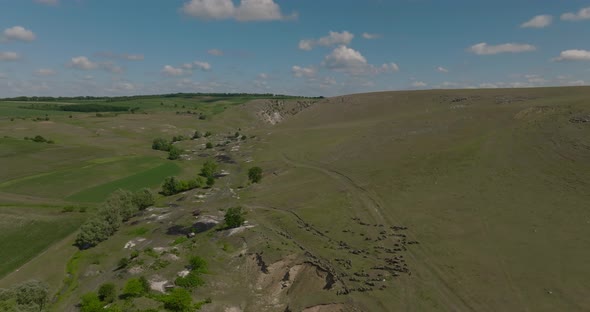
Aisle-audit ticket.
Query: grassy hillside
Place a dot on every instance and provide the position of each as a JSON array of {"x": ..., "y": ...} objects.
[{"x": 443, "y": 200}]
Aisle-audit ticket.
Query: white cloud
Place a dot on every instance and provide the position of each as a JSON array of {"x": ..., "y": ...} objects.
[
  {"x": 125, "y": 56},
  {"x": 9, "y": 56},
  {"x": 45, "y": 72},
  {"x": 333, "y": 38},
  {"x": 263, "y": 76},
  {"x": 442, "y": 69},
  {"x": 48, "y": 2},
  {"x": 485, "y": 49},
  {"x": 197, "y": 65},
  {"x": 83, "y": 63},
  {"x": 307, "y": 72},
  {"x": 345, "y": 58},
  {"x": 246, "y": 11},
  {"x": 111, "y": 67},
  {"x": 19, "y": 33},
  {"x": 215, "y": 52},
  {"x": 419, "y": 84},
  {"x": 539, "y": 21},
  {"x": 185, "y": 69},
  {"x": 385, "y": 68},
  {"x": 173, "y": 71},
  {"x": 576, "y": 83},
  {"x": 573, "y": 55},
  {"x": 133, "y": 57},
  {"x": 371, "y": 36},
  {"x": 582, "y": 14}
]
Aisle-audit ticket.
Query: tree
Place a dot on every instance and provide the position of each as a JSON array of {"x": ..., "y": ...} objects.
[
  {"x": 143, "y": 199},
  {"x": 174, "y": 153},
  {"x": 107, "y": 292},
  {"x": 92, "y": 232},
  {"x": 234, "y": 217},
  {"x": 255, "y": 174},
  {"x": 178, "y": 300},
  {"x": 169, "y": 187},
  {"x": 210, "y": 181},
  {"x": 124, "y": 202},
  {"x": 209, "y": 169},
  {"x": 133, "y": 288},
  {"x": 197, "y": 135},
  {"x": 209, "y": 145},
  {"x": 237, "y": 135},
  {"x": 161, "y": 144},
  {"x": 32, "y": 293},
  {"x": 91, "y": 303}
]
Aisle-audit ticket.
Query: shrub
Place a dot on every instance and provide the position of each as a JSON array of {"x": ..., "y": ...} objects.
[
  {"x": 208, "y": 134},
  {"x": 143, "y": 199},
  {"x": 197, "y": 135},
  {"x": 68, "y": 209},
  {"x": 237, "y": 135},
  {"x": 234, "y": 217},
  {"x": 123, "y": 263},
  {"x": 209, "y": 145},
  {"x": 174, "y": 153},
  {"x": 92, "y": 232},
  {"x": 209, "y": 169},
  {"x": 244, "y": 138},
  {"x": 107, "y": 292},
  {"x": 178, "y": 300},
  {"x": 91, "y": 303},
  {"x": 210, "y": 181},
  {"x": 161, "y": 144},
  {"x": 255, "y": 174},
  {"x": 39, "y": 139},
  {"x": 134, "y": 288},
  {"x": 198, "y": 264},
  {"x": 192, "y": 280}
]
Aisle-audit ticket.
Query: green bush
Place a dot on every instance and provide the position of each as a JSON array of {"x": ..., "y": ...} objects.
[
  {"x": 255, "y": 174},
  {"x": 143, "y": 199},
  {"x": 197, "y": 135},
  {"x": 210, "y": 181},
  {"x": 209, "y": 169},
  {"x": 134, "y": 288},
  {"x": 174, "y": 153},
  {"x": 91, "y": 303},
  {"x": 208, "y": 134},
  {"x": 107, "y": 292},
  {"x": 161, "y": 144},
  {"x": 234, "y": 217},
  {"x": 209, "y": 145},
  {"x": 198, "y": 264},
  {"x": 123, "y": 263},
  {"x": 191, "y": 281},
  {"x": 178, "y": 300}
]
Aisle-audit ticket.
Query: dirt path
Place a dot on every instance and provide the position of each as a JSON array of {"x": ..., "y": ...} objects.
[{"x": 373, "y": 206}]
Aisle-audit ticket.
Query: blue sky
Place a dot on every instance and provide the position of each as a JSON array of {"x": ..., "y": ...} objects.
[{"x": 300, "y": 47}]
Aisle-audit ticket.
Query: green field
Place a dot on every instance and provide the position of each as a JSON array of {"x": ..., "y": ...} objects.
[
  {"x": 27, "y": 231},
  {"x": 482, "y": 193},
  {"x": 151, "y": 178}
]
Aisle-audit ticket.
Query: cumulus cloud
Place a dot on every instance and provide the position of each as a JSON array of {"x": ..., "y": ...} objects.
[
  {"x": 419, "y": 84},
  {"x": 18, "y": 33},
  {"x": 45, "y": 72},
  {"x": 539, "y": 21},
  {"x": 370, "y": 36},
  {"x": 303, "y": 72},
  {"x": 169, "y": 70},
  {"x": 9, "y": 56},
  {"x": 124, "y": 56},
  {"x": 441, "y": 69},
  {"x": 185, "y": 69},
  {"x": 582, "y": 14},
  {"x": 573, "y": 55},
  {"x": 333, "y": 38},
  {"x": 83, "y": 63},
  {"x": 345, "y": 59},
  {"x": 215, "y": 52},
  {"x": 48, "y": 2},
  {"x": 246, "y": 11},
  {"x": 485, "y": 49}
]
